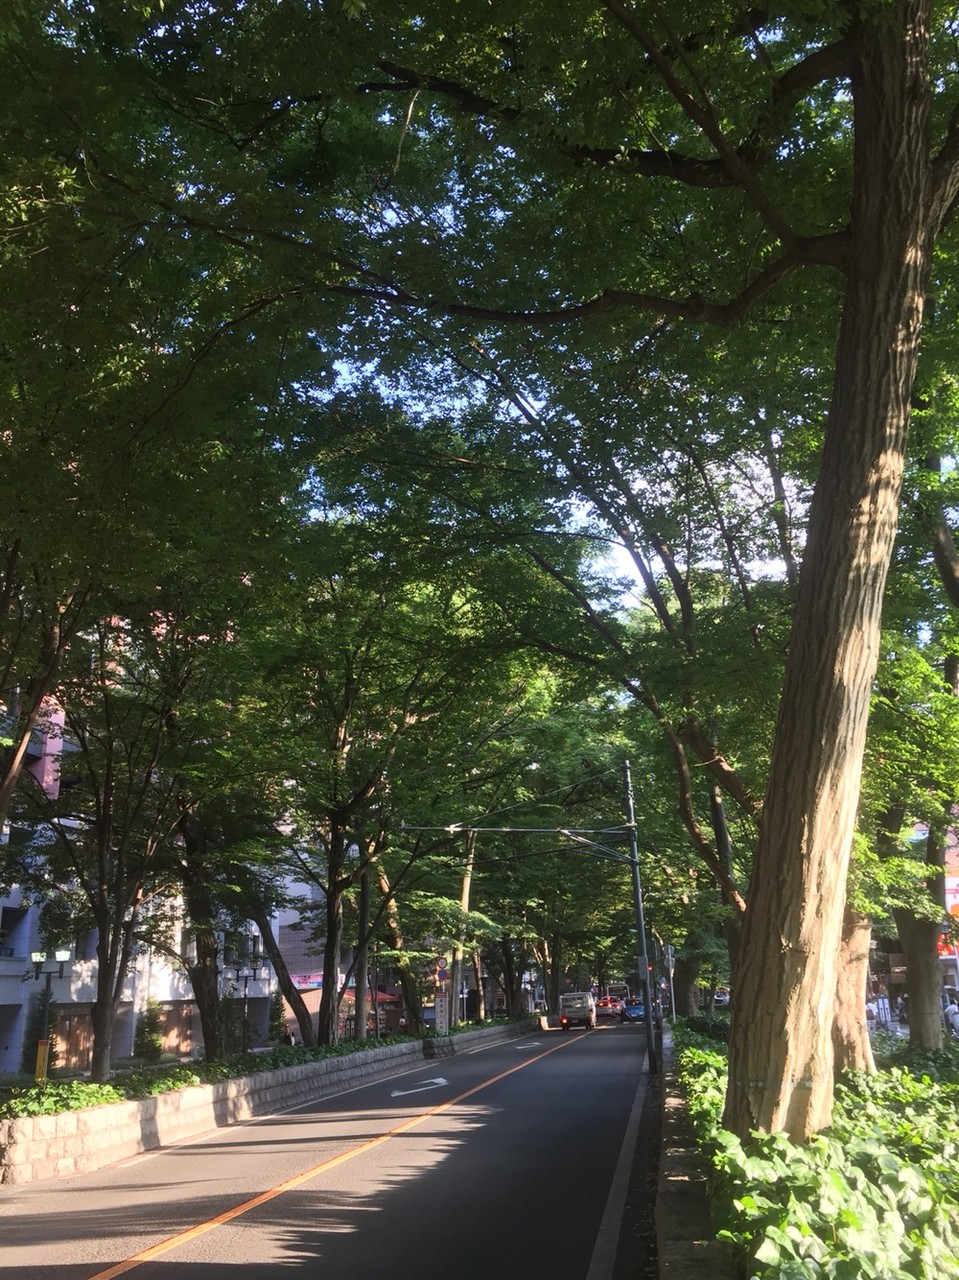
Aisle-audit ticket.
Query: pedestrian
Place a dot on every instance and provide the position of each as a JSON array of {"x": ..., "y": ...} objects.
[
  {"x": 289, "y": 1037},
  {"x": 952, "y": 1017}
]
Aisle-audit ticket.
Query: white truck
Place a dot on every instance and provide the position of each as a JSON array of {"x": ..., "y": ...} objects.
[{"x": 577, "y": 1009}]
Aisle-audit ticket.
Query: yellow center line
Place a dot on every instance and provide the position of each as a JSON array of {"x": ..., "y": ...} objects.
[{"x": 265, "y": 1196}]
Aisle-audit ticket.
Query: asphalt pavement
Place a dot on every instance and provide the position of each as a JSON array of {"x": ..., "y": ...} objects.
[{"x": 501, "y": 1161}]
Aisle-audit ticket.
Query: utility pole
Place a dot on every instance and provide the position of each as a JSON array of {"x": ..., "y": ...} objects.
[{"x": 641, "y": 955}]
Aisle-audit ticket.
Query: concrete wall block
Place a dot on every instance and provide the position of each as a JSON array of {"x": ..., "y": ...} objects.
[
  {"x": 68, "y": 1124},
  {"x": 114, "y": 1115},
  {"x": 45, "y": 1127},
  {"x": 13, "y": 1132},
  {"x": 14, "y": 1174}
]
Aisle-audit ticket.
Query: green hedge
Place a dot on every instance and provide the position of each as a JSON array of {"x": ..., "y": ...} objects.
[
  {"x": 874, "y": 1197},
  {"x": 54, "y": 1096}
]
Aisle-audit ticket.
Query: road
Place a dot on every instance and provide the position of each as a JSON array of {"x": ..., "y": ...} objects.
[{"x": 509, "y": 1161}]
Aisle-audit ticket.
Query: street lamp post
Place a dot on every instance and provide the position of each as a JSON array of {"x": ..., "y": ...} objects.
[
  {"x": 247, "y": 967},
  {"x": 246, "y": 974},
  {"x": 40, "y": 961}
]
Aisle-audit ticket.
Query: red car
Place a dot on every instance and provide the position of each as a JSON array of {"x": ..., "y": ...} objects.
[{"x": 608, "y": 1007}]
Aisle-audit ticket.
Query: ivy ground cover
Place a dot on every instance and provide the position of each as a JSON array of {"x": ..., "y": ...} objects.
[{"x": 874, "y": 1197}]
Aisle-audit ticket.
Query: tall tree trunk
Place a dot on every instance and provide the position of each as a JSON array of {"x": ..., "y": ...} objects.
[
  {"x": 203, "y": 979},
  {"x": 361, "y": 986},
  {"x": 102, "y": 1018},
  {"x": 337, "y": 882},
  {"x": 327, "y": 1025},
  {"x": 512, "y": 975},
  {"x": 284, "y": 980},
  {"x": 555, "y": 972},
  {"x": 201, "y": 913},
  {"x": 850, "y": 1032},
  {"x": 686, "y": 984},
  {"x": 919, "y": 939},
  {"x": 480, "y": 992},
  {"x": 114, "y": 949},
  {"x": 781, "y": 1054},
  {"x": 459, "y": 947},
  {"x": 404, "y": 970}
]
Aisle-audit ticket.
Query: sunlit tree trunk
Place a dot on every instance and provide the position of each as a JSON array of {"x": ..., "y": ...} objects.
[
  {"x": 480, "y": 990},
  {"x": 781, "y": 1052},
  {"x": 850, "y": 1033},
  {"x": 304, "y": 1021}
]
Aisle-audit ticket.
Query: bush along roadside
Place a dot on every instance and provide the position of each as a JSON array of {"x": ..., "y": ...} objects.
[
  {"x": 54, "y": 1096},
  {"x": 874, "y": 1197}
]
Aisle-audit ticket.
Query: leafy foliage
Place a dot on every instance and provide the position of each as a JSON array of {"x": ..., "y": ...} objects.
[
  {"x": 53, "y": 1097},
  {"x": 874, "y": 1196},
  {"x": 148, "y": 1038},
  {"x": 56, "y": 1096}
]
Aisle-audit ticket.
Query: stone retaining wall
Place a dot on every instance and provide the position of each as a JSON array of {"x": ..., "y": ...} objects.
[{"x": 58, "y": 1146}]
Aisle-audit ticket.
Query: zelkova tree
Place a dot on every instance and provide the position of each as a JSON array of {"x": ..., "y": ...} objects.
[
  {"x": 131, "y": 405},
  {"x": 579, "y": 186},
  {"x": 105, "y": 841}
]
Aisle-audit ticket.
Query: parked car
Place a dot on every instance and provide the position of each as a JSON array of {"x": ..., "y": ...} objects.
[{"x": 633, "y": 1010}]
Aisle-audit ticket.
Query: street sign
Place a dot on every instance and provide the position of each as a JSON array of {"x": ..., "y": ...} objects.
[{"x": 441, "y": 1006}]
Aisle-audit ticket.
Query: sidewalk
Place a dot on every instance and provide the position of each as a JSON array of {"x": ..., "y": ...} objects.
[
  {"x": 666, "y": 1231},
  {"x": 686, "y": 1247}
]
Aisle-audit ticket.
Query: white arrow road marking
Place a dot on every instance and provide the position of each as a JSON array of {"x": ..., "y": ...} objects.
[
  {"x": 427, "y": 1084},
  {"x": 528, "y": 1044}
]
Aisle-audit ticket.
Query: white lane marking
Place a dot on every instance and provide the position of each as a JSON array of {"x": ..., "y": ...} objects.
[
  {"x": 603, "y": 1261},
  {"x": 427, "y": 1084}
]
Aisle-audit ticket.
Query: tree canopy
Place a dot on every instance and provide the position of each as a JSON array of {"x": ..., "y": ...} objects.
[{"x": 614, "y": 274}]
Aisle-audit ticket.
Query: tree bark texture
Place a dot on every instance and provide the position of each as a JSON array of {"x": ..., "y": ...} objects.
[
  {"x": 919, "y": 940},
  {"x": 362, "y": 998},
  {"x": 459, "y": 946},
  {"x": 284, "y": 980},
  {"x": 686, "y": 985},
  {"x": 327, "y": 1027},
  {"x": 850, "y": 1033},
  {"x": 408, "y": 981},
  {"x": 203, "y": 978},
  {"x": 201, "y": 912},
  {"x": 781, "y": 1052}
]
